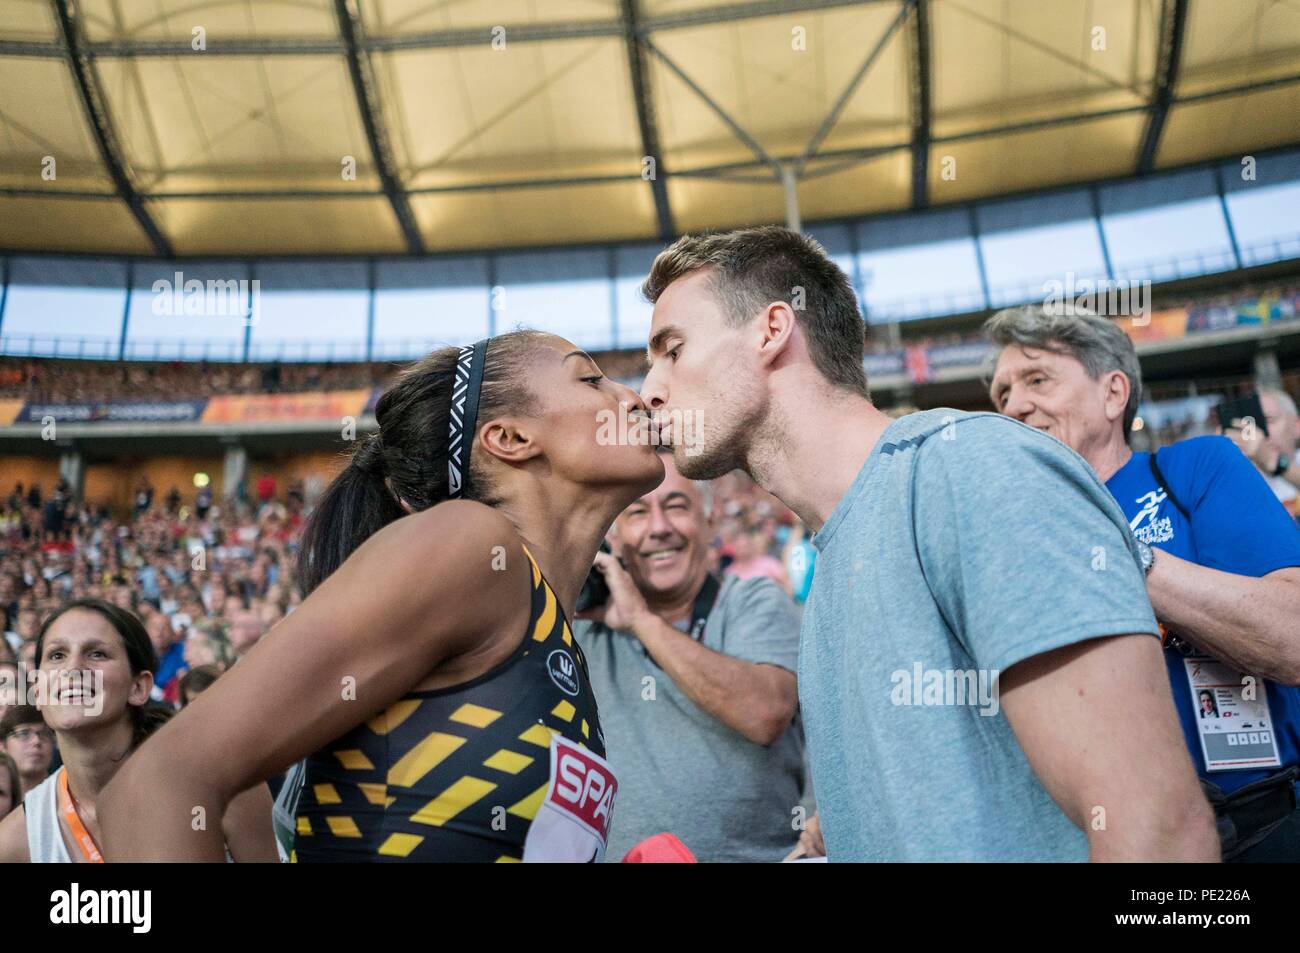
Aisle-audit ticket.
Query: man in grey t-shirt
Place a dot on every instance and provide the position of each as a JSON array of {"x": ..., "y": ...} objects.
[
  {"x": 957, "y": 554},
  {"x": 698, "y": 715}
]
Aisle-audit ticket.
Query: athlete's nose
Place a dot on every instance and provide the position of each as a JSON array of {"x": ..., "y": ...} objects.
[{"x": 631, "y": 399}]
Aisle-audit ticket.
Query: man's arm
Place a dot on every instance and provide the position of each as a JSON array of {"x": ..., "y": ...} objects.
[
  {"x": 1242, "y": 603},
  {"x": 1247, "y": 622},
  {"x": 756, "y": 700},
  {"x": 1098, "y": 726}
]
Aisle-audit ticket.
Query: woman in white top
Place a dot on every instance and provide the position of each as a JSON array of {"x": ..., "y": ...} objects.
[{"x": 97, "y": 663}]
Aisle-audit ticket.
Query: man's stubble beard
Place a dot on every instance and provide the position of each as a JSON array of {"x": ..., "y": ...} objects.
[{"x": 726, "y": 438}]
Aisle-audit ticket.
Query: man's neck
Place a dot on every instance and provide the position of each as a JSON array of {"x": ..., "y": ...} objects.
[
  {"x": 1110, "y": 458},
  {"x": 812, "y": 453},
  {"x": 676, "y": 606}
]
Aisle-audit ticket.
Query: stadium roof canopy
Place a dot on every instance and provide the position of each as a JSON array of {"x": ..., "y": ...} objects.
[{"x": 198, "y": 127}]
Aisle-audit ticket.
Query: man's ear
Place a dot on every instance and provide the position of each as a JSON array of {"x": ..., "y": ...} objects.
[
  {"x": 1118, "y": 389},
  {"x": 779, "y": 327},
  {"x": 509, "y": 439}
]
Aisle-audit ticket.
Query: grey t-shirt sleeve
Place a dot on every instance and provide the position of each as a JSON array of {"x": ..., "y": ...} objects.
[
  {"x": 762, "y": 624},
  {"x": 1023, "y": 548}
]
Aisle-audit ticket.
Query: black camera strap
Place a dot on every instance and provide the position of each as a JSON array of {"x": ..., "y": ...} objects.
[
  {"x": 704, "y": 602},
  {"x": 1169, "y": 491}
]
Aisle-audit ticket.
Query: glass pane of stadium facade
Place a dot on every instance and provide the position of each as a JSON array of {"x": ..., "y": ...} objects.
[{"x": 944, "y": 261}]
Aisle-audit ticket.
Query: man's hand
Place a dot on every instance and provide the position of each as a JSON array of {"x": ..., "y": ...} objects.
[
  {"x": 626, "y": 608},
  {"x": 1256, "y": 448},
  {"x": 810, "y": 841}
]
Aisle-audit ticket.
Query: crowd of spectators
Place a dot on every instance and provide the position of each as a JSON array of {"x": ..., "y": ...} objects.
[
  {"x": 207, "y": 587},
  {"x": 38, "y": 379}
]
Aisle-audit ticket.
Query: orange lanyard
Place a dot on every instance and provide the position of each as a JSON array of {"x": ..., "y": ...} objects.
[{"x": 73, "y": 820}]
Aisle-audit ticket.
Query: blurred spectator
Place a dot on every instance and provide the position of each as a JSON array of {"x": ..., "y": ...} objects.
[
  {"x": 799, "y": 557},
  {"x": 170, "y": 651},
  {"x": 752, "y": 559},
  {"x": 10, "y": 786},
  {"x": 245, "y": 631},
  {"x": 143, "y": 495},
  {"x": 203, "y": 502},
  {"x": 27, "y": 622},
  {"x": 11, "y": 684},
  {"x": 29, "y": 743},
  {"x": 1274, "y": 453},
  {"x": 195, "y": 681},
  {"x": 265, "y": 488},
  {"x": 207, "y": 644}
]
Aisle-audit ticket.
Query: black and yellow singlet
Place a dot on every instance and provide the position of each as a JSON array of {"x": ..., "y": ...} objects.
[{"x": 461, "y": 773}]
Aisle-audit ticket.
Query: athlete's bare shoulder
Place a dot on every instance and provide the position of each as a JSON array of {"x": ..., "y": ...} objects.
[
  {"x": 440, "y": 554},
  {"x": 466, "y": 529}
]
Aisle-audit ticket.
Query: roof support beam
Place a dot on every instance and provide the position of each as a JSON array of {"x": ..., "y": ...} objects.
[
  {"x": 441, "y": 39},
  {"x": 918, "y": 35},
  {"x": 835, "y": 160},
  {"x": 645, "y": 117},
  {"x": 367, "y": 94},
  {"x": 92, "y": 101},
  {"x": 1173, "y": 27},
  {"x": 759, "y": 152},
  {"x": 834, "y": 115}
]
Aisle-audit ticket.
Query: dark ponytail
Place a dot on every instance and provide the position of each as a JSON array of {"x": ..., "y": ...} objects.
[
  {"x": 406, "y": 459},
  {"x": 140, "y": 657}
]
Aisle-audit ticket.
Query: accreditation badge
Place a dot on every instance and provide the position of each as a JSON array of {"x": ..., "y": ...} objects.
[{"x": 1236, "y": 732}]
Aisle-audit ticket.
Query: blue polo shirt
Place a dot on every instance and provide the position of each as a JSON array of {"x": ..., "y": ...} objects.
[{"x": 1237, "y": 525}]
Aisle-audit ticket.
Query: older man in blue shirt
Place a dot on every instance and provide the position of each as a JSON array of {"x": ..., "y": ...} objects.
[{"x": 1222, "y": 561}]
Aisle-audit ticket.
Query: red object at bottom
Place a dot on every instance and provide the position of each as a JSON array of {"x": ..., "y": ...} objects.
[{"x": 660, "y": 849}]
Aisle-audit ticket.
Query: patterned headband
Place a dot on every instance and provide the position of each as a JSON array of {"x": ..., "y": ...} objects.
[{"x": 464, "y": 416}]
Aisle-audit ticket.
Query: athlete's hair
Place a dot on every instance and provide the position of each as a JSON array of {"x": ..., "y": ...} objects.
[
  {"x": 752, "y": 267},
  {"x": 140, "y": 657},
  {"x": 8, "y": 767},
  {"x": 406, "y": 460}
]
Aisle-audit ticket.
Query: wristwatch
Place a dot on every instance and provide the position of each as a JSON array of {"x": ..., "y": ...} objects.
[
  {"x": 1146, "y": 557},
  {"x": 1283, "y": 464}
]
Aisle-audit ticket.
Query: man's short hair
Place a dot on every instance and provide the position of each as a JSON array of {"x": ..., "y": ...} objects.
[
  {"x": 752, "y": 267},
  {"x": 1096, "y": 343},
  {"x": 20, "y": 715},
  {"x": 1284, "y": 400}
]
